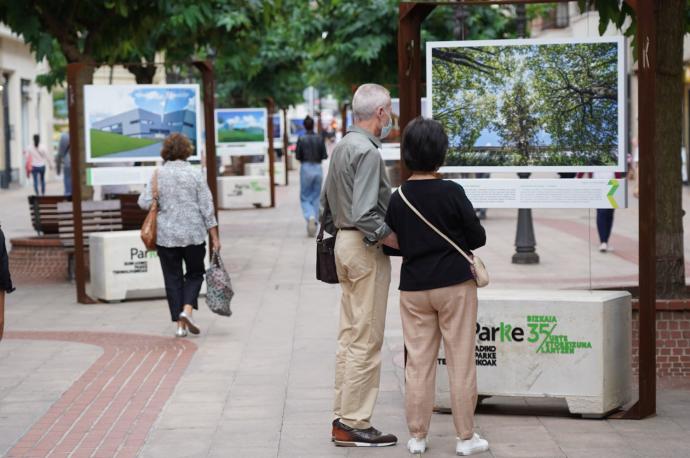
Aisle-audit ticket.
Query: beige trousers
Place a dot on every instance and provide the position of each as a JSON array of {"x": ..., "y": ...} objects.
[
  {"x": 364, "y": 273},
  {"x": 427, "y": 316}
]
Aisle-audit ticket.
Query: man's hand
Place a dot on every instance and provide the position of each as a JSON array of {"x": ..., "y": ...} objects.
[{"x": 391, "y": 240}]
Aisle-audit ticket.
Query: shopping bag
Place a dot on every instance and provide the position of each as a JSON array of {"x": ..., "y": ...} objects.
[{"x": 219, "y": 290}]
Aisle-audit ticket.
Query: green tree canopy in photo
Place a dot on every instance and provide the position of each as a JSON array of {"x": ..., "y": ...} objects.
[
  {"x": 567, "y": 92},
  {"x": 576, "y": 88},
  {"x": 517, "y": 124},
  {"x": 463, "y": 82}
]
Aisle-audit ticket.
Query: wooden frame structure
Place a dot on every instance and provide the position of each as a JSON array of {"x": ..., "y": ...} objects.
[
  {"x": 286, "y": 144},
  {"x": 270, "y": 108},
  {"x": 411, "y": 16},
  {"x": 75, "y": 102}
]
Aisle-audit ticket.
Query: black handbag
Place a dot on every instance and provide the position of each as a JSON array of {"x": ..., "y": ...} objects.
[{"x": 325, "y": 257}]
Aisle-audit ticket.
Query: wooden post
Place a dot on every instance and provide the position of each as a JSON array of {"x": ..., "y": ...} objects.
[
  {"x": 286, "y": 143},
  {"x": 75, "y": 103},
  {"x": 208, "y": 84},
  {"x": 270, "y": 106},
  {"x": 411, "y": 16},
  {"x": 646, "y": 12}
]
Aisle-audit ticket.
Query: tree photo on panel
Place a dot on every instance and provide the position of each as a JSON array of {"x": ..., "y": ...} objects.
[{"x": 527, "y": 103}]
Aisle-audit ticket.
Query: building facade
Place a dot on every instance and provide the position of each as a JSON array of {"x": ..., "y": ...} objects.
[{"x": 26, "y": 108}]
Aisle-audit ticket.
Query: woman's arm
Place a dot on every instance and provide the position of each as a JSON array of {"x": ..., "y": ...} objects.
[
  {"x": 215, "y": 239},
  {"x": 146, "y": 197}
]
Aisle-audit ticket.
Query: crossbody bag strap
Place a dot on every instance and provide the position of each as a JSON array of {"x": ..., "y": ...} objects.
[{"x": 412, "y": 207}]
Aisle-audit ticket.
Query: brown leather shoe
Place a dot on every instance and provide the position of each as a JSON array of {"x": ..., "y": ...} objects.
[
  {"x": 344, "y": 436},
  {"x": 333, "y": 430}
]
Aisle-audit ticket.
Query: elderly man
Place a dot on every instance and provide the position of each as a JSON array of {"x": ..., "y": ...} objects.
[{"x": 353, "y": 206}]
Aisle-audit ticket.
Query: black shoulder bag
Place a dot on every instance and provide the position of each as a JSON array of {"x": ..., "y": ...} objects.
[{"x": 325, "y": 256}]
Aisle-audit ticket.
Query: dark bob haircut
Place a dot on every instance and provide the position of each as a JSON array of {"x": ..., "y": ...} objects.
[
  {"x": 308, "y": 123},
  {"x": 424, "y": 145},
  {"x": 176, "y": 147}
]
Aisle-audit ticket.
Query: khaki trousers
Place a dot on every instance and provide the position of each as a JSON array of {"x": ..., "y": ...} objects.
[
  {"x": 427, "y": 316},
  {"x": 364, "y": 273}
]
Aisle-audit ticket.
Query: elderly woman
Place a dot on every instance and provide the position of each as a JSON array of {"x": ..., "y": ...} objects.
[
  {"x": 438, "y": 294},
  {"x": 186, "y": 214}
]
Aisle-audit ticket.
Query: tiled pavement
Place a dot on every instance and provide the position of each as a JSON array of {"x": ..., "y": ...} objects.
[{"x": 109, "y": 380}]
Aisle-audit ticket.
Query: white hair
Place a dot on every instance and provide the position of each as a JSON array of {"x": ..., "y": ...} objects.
[{"x": 367, "y": 99}]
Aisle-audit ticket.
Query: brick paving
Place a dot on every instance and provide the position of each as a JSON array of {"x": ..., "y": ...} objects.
[
  {"x": 110, "y": 380},
  {"x": 109, "y": 410}
]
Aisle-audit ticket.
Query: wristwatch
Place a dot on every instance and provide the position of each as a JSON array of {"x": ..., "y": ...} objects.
[{"x": 368, "y": 242}]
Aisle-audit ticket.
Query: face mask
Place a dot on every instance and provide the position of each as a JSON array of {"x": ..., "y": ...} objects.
[{"x": 386, "y": 130}]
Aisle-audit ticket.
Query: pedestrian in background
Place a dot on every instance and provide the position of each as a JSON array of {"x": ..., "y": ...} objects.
[
  {"x": 5, "y": 281},
  {"x": 64, "y": 162},
  {"x": 37, "y": 156},
  {"x": 438, "y": 294},
  {"x": 604, "y": 216},
  {"x": 186, "y": 214},
  {"x": 310, "y": 151},
  {"x": 353, "y": 207}
]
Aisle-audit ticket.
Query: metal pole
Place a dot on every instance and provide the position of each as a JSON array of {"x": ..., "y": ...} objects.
[
  {"x": 525, "y": 242},
  {"x": 271, "y": 153},
  {"x": 75, "y": 102}
]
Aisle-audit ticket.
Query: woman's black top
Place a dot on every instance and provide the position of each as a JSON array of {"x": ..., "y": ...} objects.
[{"x": 429, "y": 261}]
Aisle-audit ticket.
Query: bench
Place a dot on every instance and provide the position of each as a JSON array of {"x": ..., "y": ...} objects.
[
  {"x": 132, "y": 215},
  {"x": 43, "y": 210},
  {"x": 102, "y": 216}
]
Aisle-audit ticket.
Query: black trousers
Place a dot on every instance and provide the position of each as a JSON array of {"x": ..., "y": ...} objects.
[
  {"x": 182, "y": 289},
  {"x": 604, "y": 223}
]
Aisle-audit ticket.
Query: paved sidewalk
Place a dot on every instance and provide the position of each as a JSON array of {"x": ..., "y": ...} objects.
[{"x": 110, "y": 380}]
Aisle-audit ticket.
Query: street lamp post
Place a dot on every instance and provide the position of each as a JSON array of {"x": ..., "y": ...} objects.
[{"x": 525, "y": 242}]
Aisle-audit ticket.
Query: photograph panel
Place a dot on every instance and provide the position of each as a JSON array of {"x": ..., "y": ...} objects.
[
  {"x": 529, "y": 105},
  {"x": 241, "y": 126},
  {"x": 127, "y": 123}
]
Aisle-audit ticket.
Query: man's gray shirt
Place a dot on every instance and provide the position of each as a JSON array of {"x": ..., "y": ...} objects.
[{"x": 357, "y": 187}]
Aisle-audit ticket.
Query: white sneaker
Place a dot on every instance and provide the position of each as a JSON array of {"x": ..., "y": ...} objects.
[
  {"x": 311, "y": 227},
  {"x": 603, "y": 247},
  {"x": 415, "y": 445},
  {"x": 191, "y": 325},
  {"x": 181, "y": 332},
  {"x": 470, "y": 446}
]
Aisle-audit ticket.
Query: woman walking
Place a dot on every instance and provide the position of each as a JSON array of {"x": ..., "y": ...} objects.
[
  {"x": 438, "y": 295},
  {"x": 186, "y": 214},
  {"x": 37, "y": 156}
]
